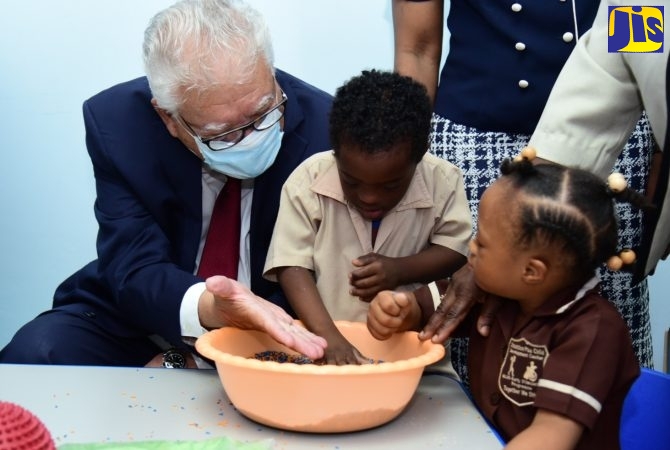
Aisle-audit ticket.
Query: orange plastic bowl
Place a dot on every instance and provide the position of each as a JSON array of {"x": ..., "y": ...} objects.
[{"x": 319, "y": 398}]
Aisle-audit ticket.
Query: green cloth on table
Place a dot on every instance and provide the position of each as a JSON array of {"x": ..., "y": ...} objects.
[{"x": 209, "y": 444}]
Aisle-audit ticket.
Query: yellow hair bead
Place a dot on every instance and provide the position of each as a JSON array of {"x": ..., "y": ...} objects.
[
  {"x": 529, "y": 153},
  {"x": 614, "y": 263},
  {"x": 628, "y": 256},
  {"x": 616, "y": 182}
]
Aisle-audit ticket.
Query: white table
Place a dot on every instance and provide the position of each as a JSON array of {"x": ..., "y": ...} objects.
[{"x": 110, "y": 404}]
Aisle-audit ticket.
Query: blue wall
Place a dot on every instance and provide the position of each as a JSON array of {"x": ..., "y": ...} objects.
[{"x": 55, "y": 54}]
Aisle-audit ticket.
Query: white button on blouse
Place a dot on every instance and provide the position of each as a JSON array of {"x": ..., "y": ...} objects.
[
  {"x": 523, "y": 84},
  {"x": 520, "y": 46},
  {"x": 516, "y": 7},
  {"x": 568, "y": 37}
]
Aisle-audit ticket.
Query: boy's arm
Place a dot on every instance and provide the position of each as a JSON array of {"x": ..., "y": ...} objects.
[
  {"x": 548, "y": 431},
  {"x": 433, "y": 263},
  {"x": 300, "y": 289},
  {"x": 374, "y": 272},
  {"x": 303, "y": 296}
]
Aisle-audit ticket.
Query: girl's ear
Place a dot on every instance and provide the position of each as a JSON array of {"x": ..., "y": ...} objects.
[{"x": 535, "y": 271}]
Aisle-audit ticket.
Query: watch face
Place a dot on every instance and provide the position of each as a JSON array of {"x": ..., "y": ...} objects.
[{"x": 174, "y": 359}]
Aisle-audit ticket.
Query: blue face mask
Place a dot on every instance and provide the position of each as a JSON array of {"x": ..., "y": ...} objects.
[{"x": 249, "y": 158}]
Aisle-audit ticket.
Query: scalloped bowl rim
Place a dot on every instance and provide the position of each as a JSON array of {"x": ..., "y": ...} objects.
[{"x": 204, "y": 345}]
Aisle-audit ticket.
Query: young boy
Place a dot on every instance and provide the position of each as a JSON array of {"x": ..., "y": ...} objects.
[
  {"x": 558, "y": 362},
  {"x": 375, "y": 213}
]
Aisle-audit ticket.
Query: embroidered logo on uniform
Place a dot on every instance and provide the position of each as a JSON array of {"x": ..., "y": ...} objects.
[
  {"x": 521, "y": 368},
  {"x": 635, "y": 29}
]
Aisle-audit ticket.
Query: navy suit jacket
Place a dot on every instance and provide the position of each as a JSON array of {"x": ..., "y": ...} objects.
[{"x": 149, "y": 208}]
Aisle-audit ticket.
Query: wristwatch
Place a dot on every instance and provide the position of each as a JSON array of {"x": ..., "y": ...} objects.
[{"x": 174, "y": 358}]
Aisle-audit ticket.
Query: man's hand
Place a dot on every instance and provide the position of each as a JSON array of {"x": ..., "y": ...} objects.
[
  {"x": 462, "y": 294},
  {"x": 229, "y": 303},
  {"x": 391, "y": 312}
]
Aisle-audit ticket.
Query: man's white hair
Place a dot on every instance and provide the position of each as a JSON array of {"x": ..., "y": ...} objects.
[{"x": 196, "y": 44}]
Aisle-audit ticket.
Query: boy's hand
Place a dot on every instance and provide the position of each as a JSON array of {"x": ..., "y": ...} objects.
[
  {"x": 391, "y": 312},
  {"x": 373, "y": 274},
  {"x": 340, "y": 352}
]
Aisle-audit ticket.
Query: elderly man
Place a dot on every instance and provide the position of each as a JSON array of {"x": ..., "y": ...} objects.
[{"x": 212, "y": 115}]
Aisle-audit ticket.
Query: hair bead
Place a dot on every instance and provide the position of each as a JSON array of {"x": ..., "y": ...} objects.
[
  {"x": 527, "y": 153},
  {"x": 617, "y": 182},
  {"x": 628, "y": 256},
  {"x": 616, "y": 262}
]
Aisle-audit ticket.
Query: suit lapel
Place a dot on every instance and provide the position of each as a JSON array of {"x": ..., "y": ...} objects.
[{"x": 183, "y": 170}]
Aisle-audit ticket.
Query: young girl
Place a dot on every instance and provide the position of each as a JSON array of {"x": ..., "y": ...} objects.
[
  {"x": 375, "y": 213},
  {"x": 558, "y": 362}
]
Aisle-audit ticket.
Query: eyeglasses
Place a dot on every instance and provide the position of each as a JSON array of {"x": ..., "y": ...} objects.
[{"x": 232, "y": 137}]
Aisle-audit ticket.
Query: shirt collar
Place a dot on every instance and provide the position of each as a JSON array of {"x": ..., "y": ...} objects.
[{"x": 565, "y": 299}]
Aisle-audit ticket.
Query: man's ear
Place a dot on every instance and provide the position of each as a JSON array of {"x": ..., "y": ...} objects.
[
  {"x": 170, "y": 123},
  {"x": 535, "y": 271}
]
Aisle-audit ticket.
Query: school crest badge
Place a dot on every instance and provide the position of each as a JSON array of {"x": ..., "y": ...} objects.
[{"x": 520, "y": 371}]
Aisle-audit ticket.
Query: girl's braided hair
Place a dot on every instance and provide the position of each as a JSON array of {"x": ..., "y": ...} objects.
[{"x": 570, "y": 208}]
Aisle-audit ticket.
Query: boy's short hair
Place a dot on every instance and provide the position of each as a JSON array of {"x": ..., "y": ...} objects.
[{"x": 378, "y": 109}]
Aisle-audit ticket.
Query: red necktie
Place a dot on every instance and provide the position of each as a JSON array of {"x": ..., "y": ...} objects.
[{"x": 221, "y": 253}]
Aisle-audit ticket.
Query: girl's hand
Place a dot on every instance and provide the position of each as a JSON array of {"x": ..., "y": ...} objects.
[{"x": 391, "y": 312}]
